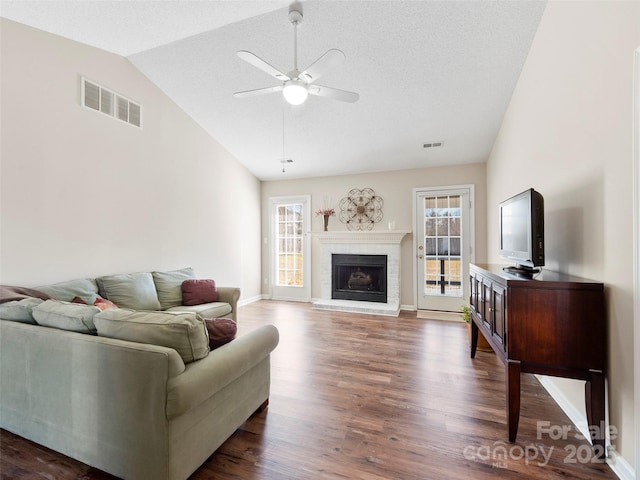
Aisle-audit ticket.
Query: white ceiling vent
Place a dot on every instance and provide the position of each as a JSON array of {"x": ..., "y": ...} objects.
[
  {"x": 433, "y": 145},
  {"x": 103, "y": 100}
]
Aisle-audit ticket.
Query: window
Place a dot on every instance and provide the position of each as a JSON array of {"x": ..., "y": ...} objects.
[
  {"x": 443, "y": 245},
  {"x": 290, "y": 245}
]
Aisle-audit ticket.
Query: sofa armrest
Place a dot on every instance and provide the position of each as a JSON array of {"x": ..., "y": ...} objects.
[
  {"x": 203, "y": 378},
  {"x": 230, "y": 295}
]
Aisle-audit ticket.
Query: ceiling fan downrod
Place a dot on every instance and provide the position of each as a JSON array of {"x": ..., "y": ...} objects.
[{"x": 295, "y": 17}]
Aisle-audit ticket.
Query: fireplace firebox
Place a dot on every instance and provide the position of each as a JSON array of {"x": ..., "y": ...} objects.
[{"x": 359, "y": 277}]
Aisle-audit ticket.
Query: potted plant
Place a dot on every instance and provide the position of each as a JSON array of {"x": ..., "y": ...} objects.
[{"x": 483, "y": 345}]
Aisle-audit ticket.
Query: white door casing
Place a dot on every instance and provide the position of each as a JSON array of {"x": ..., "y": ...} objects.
[{"x": 296, "y": 231}]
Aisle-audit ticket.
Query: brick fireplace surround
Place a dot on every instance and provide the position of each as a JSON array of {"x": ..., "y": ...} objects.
[{"x": 361, "y": 243}]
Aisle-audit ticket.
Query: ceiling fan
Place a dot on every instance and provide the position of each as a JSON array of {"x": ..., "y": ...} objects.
[{"x": 296, "y": 85}]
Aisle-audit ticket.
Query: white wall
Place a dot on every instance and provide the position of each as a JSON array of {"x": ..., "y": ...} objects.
[
  {"x": 396, "y": 190},
  {"x": 83, "y": 194},
  {"x": 568, "y": 133}
]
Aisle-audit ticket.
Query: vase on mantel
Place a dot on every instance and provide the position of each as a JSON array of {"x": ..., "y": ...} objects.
[{"x": 326, "y": 222}]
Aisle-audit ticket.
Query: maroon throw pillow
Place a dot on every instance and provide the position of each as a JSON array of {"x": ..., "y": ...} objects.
[
  {"x": 221, "y": 331},
  {"x": 197, "y": 292}
]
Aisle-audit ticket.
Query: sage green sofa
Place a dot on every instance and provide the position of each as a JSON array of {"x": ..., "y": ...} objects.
[
  {"x": 137, "y": 393},
  {"x": 133, "y": 410}
]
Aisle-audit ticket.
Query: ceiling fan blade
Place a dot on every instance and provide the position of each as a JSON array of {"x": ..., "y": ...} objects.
[
  {"x": 259, "y": 91},
  {"x": 333, "y": 93},
  {"x": 327, "y": 61},
  {"x": 262, "y": 65}
]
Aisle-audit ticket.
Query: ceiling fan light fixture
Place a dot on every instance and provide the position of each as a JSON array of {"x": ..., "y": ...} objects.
[{"x": 295, "y": 92}]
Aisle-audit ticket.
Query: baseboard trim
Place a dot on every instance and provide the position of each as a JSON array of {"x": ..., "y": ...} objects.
[
  {"x": 618, "y": 464},
  {"x": 247, "y": 301}
]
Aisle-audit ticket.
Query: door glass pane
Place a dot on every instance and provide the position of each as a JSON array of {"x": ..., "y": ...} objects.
[
  {"x": 443, "y": 245},
  {"x": 289, "y": 219}
]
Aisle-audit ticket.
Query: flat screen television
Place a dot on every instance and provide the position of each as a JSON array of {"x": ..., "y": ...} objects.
[{"x": 522, "y": 232}]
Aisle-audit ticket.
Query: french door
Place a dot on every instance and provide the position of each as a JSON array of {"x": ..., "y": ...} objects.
[
  {"x": 289, "y": 246},
  {"x": 444, "y": 245}
]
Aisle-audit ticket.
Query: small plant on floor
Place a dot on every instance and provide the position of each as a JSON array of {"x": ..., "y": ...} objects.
[{"x": 466, "y": 313}]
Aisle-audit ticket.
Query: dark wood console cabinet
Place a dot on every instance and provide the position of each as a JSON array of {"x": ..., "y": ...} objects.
[{"x": 552, "y": 324}]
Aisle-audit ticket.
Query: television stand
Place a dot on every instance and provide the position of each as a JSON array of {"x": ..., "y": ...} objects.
[
  {"x": 522, "y": 271},
  {"x": 552, "y": 324}
]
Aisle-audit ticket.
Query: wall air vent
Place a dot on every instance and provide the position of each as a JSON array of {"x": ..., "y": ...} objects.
[
  {"x": 101, "y": 99},
  {"x": 433, "y": 145}
]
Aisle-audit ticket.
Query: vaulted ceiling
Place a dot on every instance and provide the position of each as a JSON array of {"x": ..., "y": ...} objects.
[{"x": 426, "y": 71}]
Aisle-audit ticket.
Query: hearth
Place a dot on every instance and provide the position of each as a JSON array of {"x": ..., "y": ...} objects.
[{"x": 359, "y": 277}]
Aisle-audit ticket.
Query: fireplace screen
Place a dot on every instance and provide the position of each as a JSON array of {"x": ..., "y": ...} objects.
[{"x": 359, "y": 277}]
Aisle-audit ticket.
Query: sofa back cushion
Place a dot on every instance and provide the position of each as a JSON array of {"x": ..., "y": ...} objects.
[
  {"x": 85, "y": 288},
  {"x": 66, "y": 316},
  {"x": 185, "y": 332},
  {"x": 133, "y": 290},
  {"x": 169, "y": 286}
]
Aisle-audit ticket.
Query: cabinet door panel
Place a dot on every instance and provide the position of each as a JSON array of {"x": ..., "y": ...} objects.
[
  {"x": 486, "y": 303},
  {"x": 473, "y": 297},
  {"x": 499, "y": 314}
]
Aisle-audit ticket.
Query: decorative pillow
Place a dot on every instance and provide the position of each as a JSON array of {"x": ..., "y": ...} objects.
[
  {"x": 20, "y": 310},
  {"x": 134, "y": 290},
  {"x": 101, "y": 303},
  {"x": 168, "y": 286},
  {"x": 186, "y": 333},
  {"x": 221, "y": 331},
  {"x": 104, "y": 304},
  {"x": 66, "y": 316},
  {"x": 85, "y": 288},
  {"x": 197, "y": 292}
]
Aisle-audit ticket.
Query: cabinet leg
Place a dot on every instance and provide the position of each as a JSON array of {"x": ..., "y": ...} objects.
[
  {"x": 474, "y": 339},
  {"x": 513, "y": 398},
  {"x": 594, "y": 399}
]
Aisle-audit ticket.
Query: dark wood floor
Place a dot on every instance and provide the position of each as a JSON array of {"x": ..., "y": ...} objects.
[{"x": 372, "y": 398}]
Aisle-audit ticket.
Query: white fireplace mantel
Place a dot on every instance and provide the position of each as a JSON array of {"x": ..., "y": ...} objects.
[
  {"x": 363, "y": 243},
  {"x": 381, "y": 237}
]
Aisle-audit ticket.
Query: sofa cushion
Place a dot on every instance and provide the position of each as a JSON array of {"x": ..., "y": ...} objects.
[
  {"x": 206, "y": 310},
  {"x": 186, "y": 332},
  {"x": 168, "y": 286},
  {"x": 66, "y": 316},
  {"x": 85, "y": 288},
  {"x": 221, "y": 331},
  {"x": 197, "y": 292},
  {"x": 133, "y": 290},
  {"x": 20, "y": 310}
]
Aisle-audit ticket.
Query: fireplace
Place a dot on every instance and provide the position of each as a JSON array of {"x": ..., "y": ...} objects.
[
  {"x": 359, "y": 277},
  {"x": 355, "y": 244}
]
